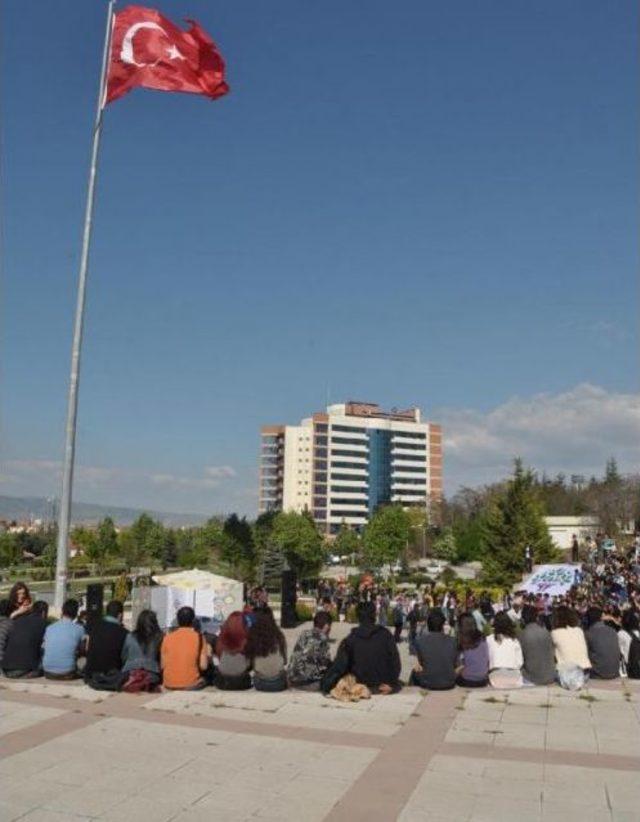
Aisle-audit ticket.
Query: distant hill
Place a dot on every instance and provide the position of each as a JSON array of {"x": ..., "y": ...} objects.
[{"x": 21, "y": 508}]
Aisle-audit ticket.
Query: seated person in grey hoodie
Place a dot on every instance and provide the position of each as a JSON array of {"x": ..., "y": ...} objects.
[{"x": 537, "y": 650}]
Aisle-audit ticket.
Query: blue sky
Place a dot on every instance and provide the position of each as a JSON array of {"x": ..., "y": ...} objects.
[{"x": 412, "y": 203}]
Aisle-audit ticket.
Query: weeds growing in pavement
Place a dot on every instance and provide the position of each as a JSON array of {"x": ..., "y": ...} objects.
[{"x": 588, "y": 697}]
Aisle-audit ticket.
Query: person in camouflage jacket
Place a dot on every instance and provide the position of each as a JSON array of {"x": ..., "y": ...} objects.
[{"x": 311, "y": 656}]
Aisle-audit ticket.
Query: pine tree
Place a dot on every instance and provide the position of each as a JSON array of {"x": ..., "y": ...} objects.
[{"x": 514, "y": 520}]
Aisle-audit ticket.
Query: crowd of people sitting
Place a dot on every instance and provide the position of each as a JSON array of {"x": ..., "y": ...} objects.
[{"x": 592, "y": 631}]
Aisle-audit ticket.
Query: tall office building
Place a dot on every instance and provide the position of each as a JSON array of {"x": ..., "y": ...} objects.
[{"x": 341, "y": 464}]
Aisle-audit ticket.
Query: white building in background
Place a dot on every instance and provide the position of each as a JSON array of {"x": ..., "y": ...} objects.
[
  {"x": 562, "y": 529},
  {"x": 341, "y": 464}
]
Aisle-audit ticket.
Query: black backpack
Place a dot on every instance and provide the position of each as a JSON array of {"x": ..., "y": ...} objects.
[{"x": 633, "y": 664}]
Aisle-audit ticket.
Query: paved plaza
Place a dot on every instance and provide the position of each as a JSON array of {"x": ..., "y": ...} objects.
[{"x": 69, "y": 753}]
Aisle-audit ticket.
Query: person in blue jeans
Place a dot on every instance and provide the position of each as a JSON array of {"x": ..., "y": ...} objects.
[{"x": 63, "y": 642}]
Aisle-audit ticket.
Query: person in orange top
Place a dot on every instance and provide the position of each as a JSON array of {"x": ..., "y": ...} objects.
[{"x": 184, "y": 654}]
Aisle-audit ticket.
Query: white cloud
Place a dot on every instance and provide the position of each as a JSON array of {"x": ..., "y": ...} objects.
[
  {"x": 40, "y": 472},
  {"x": 219, "y": 471},
  {"x": 573, "y": 432}
]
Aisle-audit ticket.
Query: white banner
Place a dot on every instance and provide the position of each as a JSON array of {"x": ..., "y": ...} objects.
[{"x": 552, "y": 579}]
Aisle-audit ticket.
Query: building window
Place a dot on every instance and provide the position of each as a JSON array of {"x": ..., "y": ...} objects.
[
  {"x": 349, "y": 429},
  {"x": 346, "y": 514},
  {"x": 355, "y": 465},
  {"x": 348, "y": 441},
  {"x": 417, "y": 435},
  {"x": 347, "y": 477},
  {"x": 414, "y": 469},
  {"x": 346, "y": 453}
]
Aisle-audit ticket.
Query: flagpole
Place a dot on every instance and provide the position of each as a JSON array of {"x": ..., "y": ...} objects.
[{"x": 74, "y": 378}]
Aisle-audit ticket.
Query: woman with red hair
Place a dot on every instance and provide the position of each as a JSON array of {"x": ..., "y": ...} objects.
[{"x": 233, "y": 664}]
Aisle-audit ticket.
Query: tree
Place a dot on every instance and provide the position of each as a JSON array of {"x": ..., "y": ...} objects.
[
  {"x": 514, "y": 520},
  {"x": 347, "y": 542},
  {"x": 386, "y": 536},
  {"x": 107, "y": 537},
  {"x": 269, "y": 560},
  {"x": 85, "y": 540},
  {"x": 611, "y": 474},
  {"x": 170, "y": 552},
  {"x": 10, "y": 550},
  {"x": 237, "y": 546},
  {"x": 48, "y": 559},
  {"x": 445, "y": 547},
  {"x": 132, "y": 550},
  {"x": 418, "y": 524},
  {"x": 301, "y": 544}
]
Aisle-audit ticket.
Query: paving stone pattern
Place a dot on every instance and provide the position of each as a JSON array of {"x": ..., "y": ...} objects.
[{"x": 536, "y": 754}]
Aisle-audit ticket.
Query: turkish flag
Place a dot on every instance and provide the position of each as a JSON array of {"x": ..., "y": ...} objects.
[{"x": 148, "y": 50}]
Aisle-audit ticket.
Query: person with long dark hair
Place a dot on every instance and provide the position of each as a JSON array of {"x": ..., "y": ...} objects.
[
  {"x": 141, "y": 654},
  {"x": 473, "y": 654},
  {"x": 232, "y": 673},
  {"x": 267, "y": 650},
  {"x": 19, "y": 600},
  {"x": 505, "y": 654}
]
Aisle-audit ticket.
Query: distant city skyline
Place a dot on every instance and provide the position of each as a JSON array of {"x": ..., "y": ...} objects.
[{"x": 431, "y": 205}]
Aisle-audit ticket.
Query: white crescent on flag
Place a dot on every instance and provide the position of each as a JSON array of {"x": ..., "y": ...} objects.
[{"x": 127, "y": 54}]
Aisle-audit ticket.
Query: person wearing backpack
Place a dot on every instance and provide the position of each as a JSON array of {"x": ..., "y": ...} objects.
[{"x": 629, "y": 642}]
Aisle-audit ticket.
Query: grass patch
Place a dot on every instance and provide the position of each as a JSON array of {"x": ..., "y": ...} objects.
[
  {"x": 493, "y": 700},
  {"x": 588, "y": 697},
  {"x": 546, "y": 705}
]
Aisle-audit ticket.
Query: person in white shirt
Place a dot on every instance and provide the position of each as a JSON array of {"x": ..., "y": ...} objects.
[{"x": 505, "y": 654}]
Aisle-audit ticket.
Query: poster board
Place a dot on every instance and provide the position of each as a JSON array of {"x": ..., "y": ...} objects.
[
  {"x": 554, "y": 580},
  {"x": 212, "y": 597}
]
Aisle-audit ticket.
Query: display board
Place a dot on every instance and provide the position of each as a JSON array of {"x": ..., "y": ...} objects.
[{"x": 211, "y": 596}]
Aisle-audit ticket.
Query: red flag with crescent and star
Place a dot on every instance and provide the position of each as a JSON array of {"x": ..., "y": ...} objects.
[{"x": 148, "y": 50}]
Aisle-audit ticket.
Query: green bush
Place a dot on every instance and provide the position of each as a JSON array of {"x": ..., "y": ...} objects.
[{"x": 304, "y": 612}]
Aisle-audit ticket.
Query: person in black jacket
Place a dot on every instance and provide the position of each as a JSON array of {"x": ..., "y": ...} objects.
[
  {"x": 104, "y": 651},
  {"x": 369, "y": 653},
  {"x": 23, "y": 649}
]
